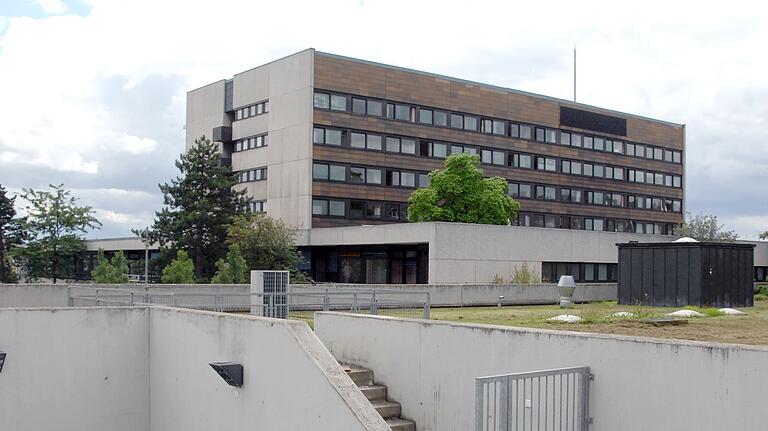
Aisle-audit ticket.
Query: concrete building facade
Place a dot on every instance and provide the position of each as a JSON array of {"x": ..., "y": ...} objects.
[
  {"x": 324, "y": 141},
  {"x": 321, "y": 140}
]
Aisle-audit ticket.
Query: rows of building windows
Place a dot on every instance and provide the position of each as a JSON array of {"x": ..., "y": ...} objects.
[
  {"x": 581, "y": 272},
  {"x": 252, "y": 110},
  {"x": 360, "y": 209},
  {"x": 326, "y": 171},
  {"x": 258, "y": 174},
  {"x": 422, "y": 148},
  {"x": 251, "y": 142},
  {"x": 561, "y": 221},
  {"x": 475, "y": 123},
  {"x": 394, "y": 211},
  {"x": 258, "y": 206},
  {"x": 592, "y": 197}
]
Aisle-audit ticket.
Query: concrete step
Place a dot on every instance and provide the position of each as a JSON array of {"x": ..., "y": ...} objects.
[
  {"x": 398, "y": 424},
  {"x": 360, "y": 376},
  {"x": 374, "y": 392},
  {"x": 387, "y": 409}
]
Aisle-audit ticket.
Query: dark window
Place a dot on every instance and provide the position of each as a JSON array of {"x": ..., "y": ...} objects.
[
  {"x": 338, "y": 103},
  {"x": 357, "y": 209},
  {"x": 592, "y": 121},
  {"x": 457, "y": 121},
  {"x": 357, "y": 175},
  {"x": 374, "y": 108},
  {"x": 358, "y": 106},
  {"x": 322, "y": 100},
  {"x": 425, "y": 116},
  {"x": 440, "y": 118}
]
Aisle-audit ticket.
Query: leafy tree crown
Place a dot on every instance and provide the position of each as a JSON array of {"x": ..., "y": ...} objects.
[{"x": 459, "y": 193}]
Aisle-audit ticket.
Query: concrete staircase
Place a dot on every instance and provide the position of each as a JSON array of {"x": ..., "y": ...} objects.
[{"x": 377, "y": 395}]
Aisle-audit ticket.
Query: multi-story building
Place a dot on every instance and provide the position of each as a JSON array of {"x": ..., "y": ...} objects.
[{"x": 322, "y": 141}]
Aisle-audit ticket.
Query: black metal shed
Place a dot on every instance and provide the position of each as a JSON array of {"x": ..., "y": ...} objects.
[{"x": 675, "y": 274}]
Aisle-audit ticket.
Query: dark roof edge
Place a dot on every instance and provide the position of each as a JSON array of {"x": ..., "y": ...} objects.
[
  {"x": 685, "y": 244},
  {"x": 496, "y": 87}
]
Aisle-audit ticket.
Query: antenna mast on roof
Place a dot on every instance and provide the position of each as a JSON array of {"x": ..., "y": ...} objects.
[{"x": 574, "y": 73}]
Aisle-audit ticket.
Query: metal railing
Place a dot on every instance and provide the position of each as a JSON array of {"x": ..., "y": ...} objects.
[
  {"x": 549, "y": 400},
  {"x": 293, "y": 305}
]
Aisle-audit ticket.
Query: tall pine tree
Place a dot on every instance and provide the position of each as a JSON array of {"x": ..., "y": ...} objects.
[
  {"x": 199, "y": 205},
  {"x": 11, "y": 235}
]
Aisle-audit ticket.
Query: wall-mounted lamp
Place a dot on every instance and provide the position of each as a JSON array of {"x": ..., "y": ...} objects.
[
  {"x": 2, "y": 360},
  {"x": 231, "y": 372}
]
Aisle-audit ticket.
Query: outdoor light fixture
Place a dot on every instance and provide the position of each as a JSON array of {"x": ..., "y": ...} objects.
[
  {"x": 566, "y": 286},
  {"x": 231, "y": 372},
  {"x": 2, "y": 360}
]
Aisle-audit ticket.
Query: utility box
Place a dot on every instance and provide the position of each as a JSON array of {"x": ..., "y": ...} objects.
[
  {"x": 676, "y": 274},
  {"x": 269, "y": 293}
]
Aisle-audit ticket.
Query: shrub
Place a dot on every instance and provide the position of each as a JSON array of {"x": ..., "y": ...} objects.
[
  {"x": 180, "y": 271},
  {"x": 523, "y": 274}
]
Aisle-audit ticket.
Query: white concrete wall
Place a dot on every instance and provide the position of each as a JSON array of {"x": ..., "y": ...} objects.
[
  {"x": 146, "y": 368},
  {"x": 291, "y": 381},
  {"x": 33, "y": 295},
  {"x": 205, "y": 110},
  {"x": 287, "y": 83},
  {"x": 457, "y": 295},
  {"x": 640, "y": 383},
  {"x": 74, "y": 370}
]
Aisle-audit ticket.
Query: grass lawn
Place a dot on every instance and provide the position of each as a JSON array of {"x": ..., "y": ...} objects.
[{"x": 749, "y": 329}]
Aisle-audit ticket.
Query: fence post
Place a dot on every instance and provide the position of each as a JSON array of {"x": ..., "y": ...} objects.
[
  {"x": 325, "y": 300},
  {"x": 98, "y": 302},
  {"x": 173, "y": 295},
  {"x": 426, "y": 307},
  {"x": 132, "y": 299},
  {"x": 354, "y": 302},
  {"x": 70, "y": 301},
  {"x": 374, "y": 307}
]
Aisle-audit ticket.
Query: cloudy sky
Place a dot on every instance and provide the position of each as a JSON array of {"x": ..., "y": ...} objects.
[{"x": 92, "y": 92}]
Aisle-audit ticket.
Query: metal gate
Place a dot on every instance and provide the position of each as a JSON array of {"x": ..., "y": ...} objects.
[{"x": 548, "y": 400}]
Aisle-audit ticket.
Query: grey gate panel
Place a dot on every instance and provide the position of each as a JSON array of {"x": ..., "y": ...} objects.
[{"x": 548, "y": 400}]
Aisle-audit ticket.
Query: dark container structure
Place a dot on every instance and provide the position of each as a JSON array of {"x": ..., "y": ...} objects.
[{"x": 676, "y": 274}]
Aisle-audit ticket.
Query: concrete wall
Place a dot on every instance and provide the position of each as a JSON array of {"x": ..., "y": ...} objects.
[
  {"x": 288, "y": 375},
  {"x": 457, "y": 295},
  {"x": 474, "y": 253},
  {"x": 33, "y": 295},
  {"x": 205, "y": 110},
  {"x": 287, "y": 83},
  {"x": 640, "y": 383},
  {"x": 146, "y": 368},
  {"x": 74, "y": 369},
  {"x": 234, "y": 295}
]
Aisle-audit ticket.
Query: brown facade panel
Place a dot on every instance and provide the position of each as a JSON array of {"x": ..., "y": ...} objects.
[
  {"x": 422, "y": 164},
  {"x": 356, "y": 77},
  {"x": 414, "y": 130}
]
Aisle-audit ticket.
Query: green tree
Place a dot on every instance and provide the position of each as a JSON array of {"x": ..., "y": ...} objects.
[
  {"x": 180, "y": 271},
  {"x": 704, "y": 227},
  {"x": 459, "y": 193},
  {"x": 234, "y": 270},
  {"x": 764, "y": 235},
  {"x": 54, "y": 225},
  {"x": 110, "y": 272},
  {"x": 11, "y": 235},
  {"x": 264, "y": 242},
  {"x": 199, "y": 205}
]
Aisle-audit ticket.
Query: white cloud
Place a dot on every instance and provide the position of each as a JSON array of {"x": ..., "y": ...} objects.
[
  {"x": 695, "y": 64},
  {"x": 136, "y": 145},
  {"x": 51, "y": 6}
]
